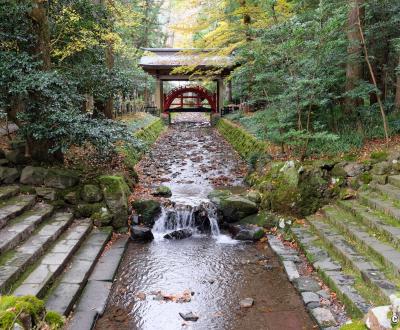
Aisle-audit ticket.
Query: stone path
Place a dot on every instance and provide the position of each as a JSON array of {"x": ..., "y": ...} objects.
[
  {"x": 51, "y": 255},
  {"x": 355, "y": 245}
]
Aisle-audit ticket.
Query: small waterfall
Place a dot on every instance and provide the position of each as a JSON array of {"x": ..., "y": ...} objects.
[{"x": 199, "y": 219}]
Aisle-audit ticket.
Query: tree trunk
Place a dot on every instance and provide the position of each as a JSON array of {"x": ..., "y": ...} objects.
[
  {"x": 39, "y": 16},
  {"x": 397, "y": 99},
  {"x": 354, "y": 68}
]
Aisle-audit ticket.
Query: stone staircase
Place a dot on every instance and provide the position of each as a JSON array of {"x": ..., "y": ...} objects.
[
  {"x": 49, "y": 254},
  {"x": 355, "y": 246}
]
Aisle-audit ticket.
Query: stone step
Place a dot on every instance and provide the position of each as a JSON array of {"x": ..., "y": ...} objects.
[
  {"x": 94, "y": 298},
  {"x": 375, "y": 201},
  {"x": 346, "y": 223},
  {"x": 15, "y": 206},
  {"x": 54, "y": 261},
  {"x": 21, "y": 227},
  {"x": 15, "y": 262},
  {"x": 377, "y": 221},
  {"x": 68, "y": 287},
  {"x": 394, "y": 180},
  {"x": 343, "y": 284},
  {"x": 388, "y": 190},
  {"x": 7, "y": 192},
  {"x": 348, "y": 253}
]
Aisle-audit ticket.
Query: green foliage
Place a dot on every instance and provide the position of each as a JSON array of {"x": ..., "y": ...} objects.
[{"x": 47, "y": 102}]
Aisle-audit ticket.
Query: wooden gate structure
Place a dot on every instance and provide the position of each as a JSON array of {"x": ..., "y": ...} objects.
[{"x": 162, "y": 63}]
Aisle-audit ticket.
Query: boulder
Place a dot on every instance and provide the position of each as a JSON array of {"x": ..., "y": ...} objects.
[
  {"x": 87, "y": 210},
  {"x": 249, "y": 233},
  {"x": 290, "y": 173},
  {"x": 235, "y": 208},
  {"x": 16, "y": 157},
  {"x": 338, "y": 170},
  {"x": 261, "y": 219},
  {"x": 353, "y": 169},
  {"x": 162, "y": 191},
  {"x": 381, "y": 168},
  {"x": 179, "y": 234},
  {"x": 116, "y": 193},
  {"x": 91, "y": 193},
  {"x": 71, "y": 198},
  {"x": 8, "y": 174},
  {"x": 33, "y": 175},
  {"x": 254, "y": 196},
  {"x": 216, "y": 195},
  {"x": 61, "y": 178},
  {"x": 102, "y": 218},
  {"x": 46, "y": 193},
  {"x": 148, "y": 210},
  {"x": 139, "y": 233}
]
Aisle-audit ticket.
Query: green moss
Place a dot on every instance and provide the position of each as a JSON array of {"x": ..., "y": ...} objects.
[
  {"x": 27, "y": 189},
  {"x": 247, "y": 145},
  {"x": 262, "y": 219},
  {"x": 11, "y": 307},
  {"x": 7, "y": 319},
  {"x": 112, "y": 184},
  {"x": 355, "y": 325},
  {"x": 379, "y": 156},
  {"x": 146, "y": 136},
  {"x": 87, "y": 210},
  {"x": 366, "y": 177},
  {"x": 54, "y": 320}
]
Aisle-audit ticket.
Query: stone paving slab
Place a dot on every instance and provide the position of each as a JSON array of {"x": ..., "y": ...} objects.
[
  {"x": 394, "y": 180},
  {"x": 27, "y": 253},
  {"x": 375, "y": 202},
  {"x": 385, "y": 252},
  {"x": 53, "y": 263},
  {"x": 96, "y": 293},
  {"x": 341, "y": 283},
  {"x": 70, "y": 284},
  {"x": 372, "y": 220},
  {"x": 359, "y": 262},
  {"x": 108, "y": 264},
  {"x": 21, "y": 227},
  {"x": 7, "y": 192},
  {"x": 14, "y": 207}
]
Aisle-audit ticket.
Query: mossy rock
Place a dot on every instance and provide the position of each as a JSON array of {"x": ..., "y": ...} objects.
[
  {"x": 216, "y": 195},
  {"x": 33, "y": 175},
  {"x": 234, "y": 208},
  {"x": 87, "y": 210},
  {"x": 381, "y": 168},
  {"x": 102, "y": 218},
  {"x": 338, "y": 170},
  {"x": 148, "y": 210},
  {"x": 262, "y": 219},
  {"x": 254, "y": 196},
  {"x": 61, "y": 178},
  {"x": 54, "y": 320},
  {"x": 162, "y": 191},
  {"x": 91, "y": 193},
  {"x": 116, "y": 193}
]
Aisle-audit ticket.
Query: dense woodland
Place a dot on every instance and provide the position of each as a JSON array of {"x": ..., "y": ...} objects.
[{"x": 323, "y": 75}]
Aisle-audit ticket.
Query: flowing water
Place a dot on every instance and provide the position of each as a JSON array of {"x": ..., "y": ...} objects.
[{"x": 209, "y": 273}]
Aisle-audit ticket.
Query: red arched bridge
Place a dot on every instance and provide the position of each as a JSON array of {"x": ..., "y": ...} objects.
[{"x": 190, "y": 99}]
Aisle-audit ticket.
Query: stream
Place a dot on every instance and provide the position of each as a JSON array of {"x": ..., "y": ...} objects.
[{"x": 209, "y": 273}]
